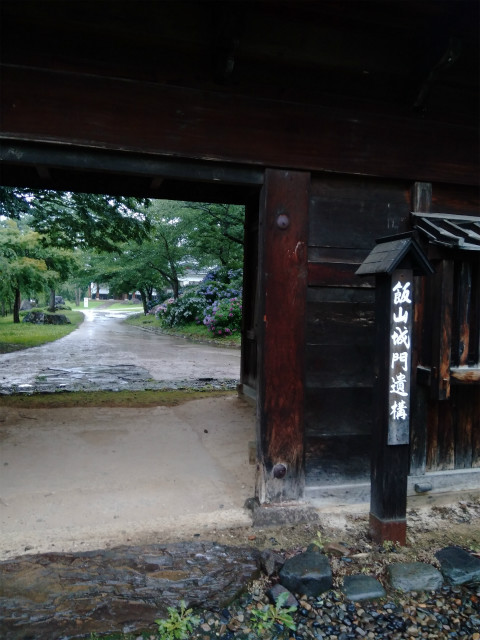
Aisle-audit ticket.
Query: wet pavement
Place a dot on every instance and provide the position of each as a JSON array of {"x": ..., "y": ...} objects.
[{"x": 105, "y": 353}]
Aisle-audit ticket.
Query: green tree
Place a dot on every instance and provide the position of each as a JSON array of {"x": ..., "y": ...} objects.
[
  {"x": 83, "y": 220},
  {"x": 166, "y": 255},
  {"x": 68, "y": 220},
  {"x": 216, "y": 233},
  {"x": 182, "y": 236},
  {"x": 23, "y": 268}
]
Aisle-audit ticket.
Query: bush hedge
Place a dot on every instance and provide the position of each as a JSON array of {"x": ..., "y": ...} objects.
[{"x": 215, "y": 302}]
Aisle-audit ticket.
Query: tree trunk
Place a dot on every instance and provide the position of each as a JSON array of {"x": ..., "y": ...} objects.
[
  {"x": 51, "y": 306},
  {"x": 16, "y": 306},
  {"x": 175, "y": 287},
  {"x": 78, "y": 295},
  {"x": 143, "y": 295}
]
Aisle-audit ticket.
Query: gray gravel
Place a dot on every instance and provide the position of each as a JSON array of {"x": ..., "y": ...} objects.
[{"x": 449, "y": 613}]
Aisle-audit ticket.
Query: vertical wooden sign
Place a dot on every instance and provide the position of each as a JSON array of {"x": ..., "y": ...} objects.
[
  {"x": 400, "y": 357},
  {"x": 393, "y": 262}
]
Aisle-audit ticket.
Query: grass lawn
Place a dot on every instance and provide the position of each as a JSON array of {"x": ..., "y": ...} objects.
[
  {"x": 126, "y": 305},
  {"x": 92, "y": 304},
  {"x": 193, "y": 331},
  {"x": 117, "y": 399},
  {"x": 25, "y": 334}
]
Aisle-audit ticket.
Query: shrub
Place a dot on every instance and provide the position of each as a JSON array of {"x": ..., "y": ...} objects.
[
  {"x": 224, "y": 317},
  {"x": 221, "y": 283},
  {"x": 212, "y": 298},
  {"x": 155, "y": 302},
  {"x": 189, "y": 307}
]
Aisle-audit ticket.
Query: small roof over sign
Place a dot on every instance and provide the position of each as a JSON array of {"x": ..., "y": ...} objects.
[
  {"x": 395, "y": 253},
  {"x": 447, "y": 230}
]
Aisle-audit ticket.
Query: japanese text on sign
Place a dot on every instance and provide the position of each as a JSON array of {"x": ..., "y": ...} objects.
[{"x": 400, "y": 357}]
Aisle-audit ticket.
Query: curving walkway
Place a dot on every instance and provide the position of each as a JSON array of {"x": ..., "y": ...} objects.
[{"x": 106, "y": 353}]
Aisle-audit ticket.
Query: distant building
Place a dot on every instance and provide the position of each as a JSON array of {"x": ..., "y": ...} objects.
[{"x": 102, "y": 294}]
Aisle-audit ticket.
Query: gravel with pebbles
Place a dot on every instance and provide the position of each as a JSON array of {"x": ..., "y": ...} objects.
[{"x": 449, "y": 613}]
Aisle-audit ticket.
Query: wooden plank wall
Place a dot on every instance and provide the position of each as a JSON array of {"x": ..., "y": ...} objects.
[
  {"x": 451, "y": 412},
  {"x": 347, "y": 214}
]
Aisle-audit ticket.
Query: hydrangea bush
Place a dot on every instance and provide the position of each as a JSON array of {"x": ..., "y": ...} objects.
[
  {"x": 189, "y": 307},
  {"x": 216, "y": 302},
  {"x": 224, "y": 317},
  {"x": 221, "y": 283}
]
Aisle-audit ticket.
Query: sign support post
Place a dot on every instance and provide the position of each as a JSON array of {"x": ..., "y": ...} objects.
[{"x": 394, "y": 262}]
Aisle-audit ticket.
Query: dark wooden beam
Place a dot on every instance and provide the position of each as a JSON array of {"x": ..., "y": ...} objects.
[
  {"x": 110, "y": 113},
  {"x": 84, "y": 158},
  {"x": 283, "y": 287}
]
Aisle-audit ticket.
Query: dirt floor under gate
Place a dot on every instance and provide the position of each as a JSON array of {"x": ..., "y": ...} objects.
[{"x": 85, "y": 478}]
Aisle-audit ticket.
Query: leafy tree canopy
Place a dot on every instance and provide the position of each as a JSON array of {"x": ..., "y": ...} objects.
[
  {"x": 216, "y": 233},
  {"x": 67, "y": 220},
  {"x": 23, "y": 267}
]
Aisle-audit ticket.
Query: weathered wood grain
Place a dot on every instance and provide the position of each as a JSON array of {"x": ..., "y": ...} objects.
[
  {"x": 442, "y": 329},
  {"x": 465, "y": 375},
  {"x": 338, "y": 412},
  {"x": 114, "y": 113},
  {"x": 282, "y": 334},
  {"x": 336, "y": 274},
  {"x": 465, "y": 422}
]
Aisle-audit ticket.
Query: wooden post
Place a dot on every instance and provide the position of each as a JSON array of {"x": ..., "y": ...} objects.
[
  {"x": 283, "y": 239},
  {"x": 421, "y": 202},
  {"x": 390, "y": 437},
  {"x": 392, "y": 262}
]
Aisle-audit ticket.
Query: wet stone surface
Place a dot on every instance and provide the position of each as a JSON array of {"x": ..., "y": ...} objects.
[
  {"x": 53, "y": 596},
  {"x": 360, "y": 587},
  {"x": 65, "y": 596},
  {"x": 307, "y": 572},
  {"x": 414, "y": 576},
  {"x": 458, "y": 566},
  {"x": 119, "y": 377}
]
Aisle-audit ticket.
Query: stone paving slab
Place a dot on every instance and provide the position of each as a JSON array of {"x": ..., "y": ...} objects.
[
  {"x": 414, "y": 576},
  {"x": 108, "y": 378},
  {"x": 458, "y": 566},
  {"x": 360, "y": 587}
]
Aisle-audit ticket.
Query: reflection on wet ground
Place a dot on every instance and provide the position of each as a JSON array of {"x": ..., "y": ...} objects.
[{"x": 105, "y": 353}]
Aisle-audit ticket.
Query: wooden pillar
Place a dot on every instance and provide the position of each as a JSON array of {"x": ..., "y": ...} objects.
[
  {"x": 283, "y": 238},
  {"x": 421, "y": 203}
]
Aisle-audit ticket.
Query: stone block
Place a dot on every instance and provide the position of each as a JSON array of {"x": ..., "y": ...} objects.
[
  {"x": 414, "y": 576},
  {"x": 266, "y": 515},
  {"x": 458, "y": 566},
  {"x": 271, "y": 562},
  {"x": 308, "y": 573},
  {"x": 360, "y": 587}
]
